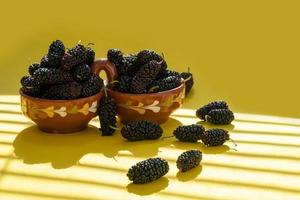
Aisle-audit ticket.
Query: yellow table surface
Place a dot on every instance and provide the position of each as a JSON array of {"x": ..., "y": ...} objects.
[{"x": 245, "y": 52}]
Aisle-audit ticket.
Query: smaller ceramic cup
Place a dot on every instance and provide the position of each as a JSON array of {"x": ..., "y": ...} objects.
[
  {"x": 64, "y": 116},
  {"x": 155, "y": 107}
]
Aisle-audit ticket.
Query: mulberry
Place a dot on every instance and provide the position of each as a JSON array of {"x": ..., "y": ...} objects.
[
  {"x": 52, "y": 76},
  {"x": 166, "y": 84},
  {"x": 90, "y": 56},
  {"x": 190, "y": 133},
  {"x": 82, "y": 72},
  {"x": 70, "y": 90},
  {"x": 215, "y": 137},
  {"x": 189, "y": 81},
  {"x": 189, "y": 160},
  {"x": 57, "y": 48},
  {"x": 141, "y": 130},
  {"x": 107, "y": 115},
  {"x": 55, "y": 53},
  {"x": 115, "y": 56},
  {"x": 204, "y": 110},
  {"x": 145, "y": 76},
  {"x": 123, "y": 84},
  {"x": 45, "y": 62},
  {"x": 28, "y": 81},
  {"x": 128, "y": 66},
  {"x": 166, "y": 73},
  {"x": 31, "y": 91},
  {"x": 148, "y": 170},
  {"x": 92, "y": 86},
  {"x": 33, "y": 67},
  {"x": 74, "y": 57},
  {"x": 145, "y": 56},
  {"x": 220, "y": 116}
]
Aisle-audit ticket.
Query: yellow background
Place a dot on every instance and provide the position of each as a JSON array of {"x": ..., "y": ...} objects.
[{"x": 245, "y": 52}]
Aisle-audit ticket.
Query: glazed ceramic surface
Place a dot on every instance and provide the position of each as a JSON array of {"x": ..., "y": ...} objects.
[{"x": 60, "y": 116}]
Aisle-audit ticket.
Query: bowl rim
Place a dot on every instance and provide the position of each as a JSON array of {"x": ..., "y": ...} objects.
[
  {"x": 59, "y": 101},
  {"x": 147, "y": 94}
]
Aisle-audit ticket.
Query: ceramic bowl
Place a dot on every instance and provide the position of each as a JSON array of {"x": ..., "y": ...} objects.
[
  {"x": 64, "y": 116},
  {"x": 155, "y": 107}
]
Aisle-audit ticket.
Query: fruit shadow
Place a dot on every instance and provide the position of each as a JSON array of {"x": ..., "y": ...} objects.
[
  {"x": 189, "y": 175},
  {"x": 149, "y": 188},
  {"x": 207, "y": 125},
  {"x": 65, "y": 150},
  {"x": 201, "y": 147}
]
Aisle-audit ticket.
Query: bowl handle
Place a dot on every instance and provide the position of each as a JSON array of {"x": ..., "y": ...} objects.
[{"x": 108, "y": 67}]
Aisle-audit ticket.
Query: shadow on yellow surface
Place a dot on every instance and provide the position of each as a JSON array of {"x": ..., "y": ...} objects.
[
  {"x": 150, "y": 188},
  {"x": 207, "y": 125},
  {"x": 189, "y": 175},
  {"x": 65, "y": 150}
]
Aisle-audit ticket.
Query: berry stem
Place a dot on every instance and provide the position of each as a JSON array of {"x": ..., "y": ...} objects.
[
  {"x": 167, "y": 137},
  {"x": 233, "y": 141},
  {"x": 153, "y": 88},
  {"x": 115, "y": 128},
  {"x": 234, "y": 149}
]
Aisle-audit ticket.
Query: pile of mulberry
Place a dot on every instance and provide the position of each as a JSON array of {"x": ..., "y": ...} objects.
[
  {"x": 141, "y": 130},
  {"x": 189, "y": 160},
  {"x": 67, "y": 91},
  {"x": 190, "y": 133},
  {"x": 215, "y": 137},
  {"x": 61, "y": 74},
  {"x": 107, "y": 115},
  {"x": 146, "y": 71},
  {"x": 148, "y": 170}
]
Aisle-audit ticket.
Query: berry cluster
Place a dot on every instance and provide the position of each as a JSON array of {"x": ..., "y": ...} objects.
[
  {"x": 145, "y": 72},
  {"x": 62, "y": 74},
  {"x": 216, "y": 112}
]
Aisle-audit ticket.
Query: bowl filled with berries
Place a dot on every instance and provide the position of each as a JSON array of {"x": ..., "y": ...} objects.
[
  {"x": 143, "y": 86},
  {"x": 61, "y": 94}
]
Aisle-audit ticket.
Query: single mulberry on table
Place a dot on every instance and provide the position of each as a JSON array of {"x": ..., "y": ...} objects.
[
  {"x": 215, "y": 137},
  {"x": 220, "y": 116},
  {"x": 189, "y": 160},
  {"x": 148, "y": 170},
  {"x": 141, "y": 130},
  {"x": 189, "y": 133},
  {"x": 204, "y": 110}
]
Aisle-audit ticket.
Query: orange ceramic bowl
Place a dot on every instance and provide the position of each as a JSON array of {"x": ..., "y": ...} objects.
[
  {"x": 155, "y": 107},
  {"x": 60, "y": 116},
  {"x": 64, "y": 116}
]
